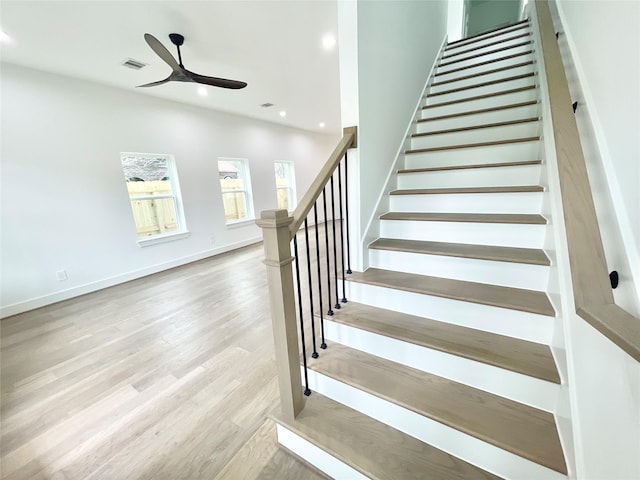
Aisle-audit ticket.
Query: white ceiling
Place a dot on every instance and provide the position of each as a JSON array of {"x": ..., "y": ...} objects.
[{"x": 274, "y": 46}]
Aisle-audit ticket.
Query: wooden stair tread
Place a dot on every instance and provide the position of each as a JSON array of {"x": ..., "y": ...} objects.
[
  {"x": 529, "y": 256},
  {"x": 486, "y": 72},
  {"x": 488, "y": 34},
  {"x": 482, "y": 293},
  {"x": 478, "y": 55},
  {"x": 457, "y": 190},
  {"x": 469, "y": 166},
  {"x": 522, "y": 218},
  {"x": 373, "y": 448},
  {"x": 473, "y": 145},
  {"x": 477, "y": 127},
  {"x": 512, "y": 426},
  {"x": 483, "y": 84},
  {"x": 482, "y": 110},
  {"x": 528, "y": 358},
  {"x": 486, "y": 62},
  {"x": 490, "y": 44},
  {"x": 480, "y": 97}
]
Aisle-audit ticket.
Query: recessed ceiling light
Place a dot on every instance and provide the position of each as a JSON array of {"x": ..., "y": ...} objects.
[
  {"x": 321, "y": 124},
  {"x": 328, "y": 41},
  {"x": 4, "y": 38},
  {"x": 283, "y": 113},
  {"x": 202, "y": 91}
]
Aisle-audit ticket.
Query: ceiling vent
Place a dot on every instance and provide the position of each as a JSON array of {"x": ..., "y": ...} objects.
[
  {"x": 267, "y": 105},
  {"x": 131, "y": 63}
]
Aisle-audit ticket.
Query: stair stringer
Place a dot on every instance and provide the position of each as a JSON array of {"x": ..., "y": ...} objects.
[{"x": 372, "y": 229}]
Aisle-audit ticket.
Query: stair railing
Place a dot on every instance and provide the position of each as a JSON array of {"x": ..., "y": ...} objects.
[
  {"x": 282, "y": 235},
  {"x": 594, "y": 300}
]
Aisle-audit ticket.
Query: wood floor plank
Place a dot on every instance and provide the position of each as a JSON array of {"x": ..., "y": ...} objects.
[
  {"x": 517, "y": 428},
  {"x": 498, "y": 296},
  {"x": 167, "y": 376},
  {"x": 530, "y": 256},
  {"x": 463, "y": 190},
  {"x": 528, "y": 358},
  {"x": 523, "y": 218},
  {"x": 355, "y": 438}
]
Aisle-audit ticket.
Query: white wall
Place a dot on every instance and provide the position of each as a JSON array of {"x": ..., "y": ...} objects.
[
  {"x": 398, "y": 42},
  {"x": 64, "y": 200},
  {"x": 455, "y": 17},
  {"x": 600, "y": 43}
]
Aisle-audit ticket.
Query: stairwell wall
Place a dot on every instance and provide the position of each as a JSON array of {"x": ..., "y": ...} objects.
[
  {"x": 605, "y": 85},
  {"x": 398, "y": 42}
]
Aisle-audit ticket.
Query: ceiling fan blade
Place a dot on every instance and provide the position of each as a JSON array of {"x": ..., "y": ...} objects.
[
  {"x": 161, "y": 51},
  {"x": 216, "y": 82},
  {"x": 153, "y": 84}
]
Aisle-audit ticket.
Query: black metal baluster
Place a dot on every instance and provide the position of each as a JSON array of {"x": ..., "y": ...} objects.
[
  {"x": 323, "y": 345},
  {"x": 313, "y": 318},
  {"x": 346, "y": 209},
  {"x": 307, "y": 392},
  {"x": 335, "y": 252},
  {"x": 344, "y": 297},
  {"x": 326, "y": 241}
]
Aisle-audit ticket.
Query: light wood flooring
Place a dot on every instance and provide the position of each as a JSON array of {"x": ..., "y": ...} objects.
[{"x": 167, "y": 377}]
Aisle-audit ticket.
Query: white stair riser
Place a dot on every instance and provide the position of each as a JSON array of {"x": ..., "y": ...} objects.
[
  {"x": 516, "y": 113},
  {"x": 515, "y": 386},
  {"x": 508, "y": 40},
  {"x": 489, "y": 134},
  {"x": 483, "y": 90},
  {"x": 452, "y": 72},
  {"x": 498, "y": 234},
  {"x": 503, "y": 321},
  {"x": 507, "y": 274},
  {"x": 470, "y": 105},
  {"x": 522, "y": 202},
  {"x": 507, "y": 152},
  {"x": 480, "y": 41},
  {"x": 323, "y": 461},
  {"x": 450, "y": 440},
  {"x": 470, "y": 60},
  {"x": 489, "y": 77},
  {"x": 473, "y": 177}
]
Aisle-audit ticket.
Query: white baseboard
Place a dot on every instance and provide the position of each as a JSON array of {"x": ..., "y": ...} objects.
[{"x": 44, "y": 300}]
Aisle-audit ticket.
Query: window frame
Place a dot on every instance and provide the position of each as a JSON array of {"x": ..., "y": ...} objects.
[
  {"x": 291, "y": 179},
  {"x": 172, "y": 172},
  {"x": 244, "y": 173}
]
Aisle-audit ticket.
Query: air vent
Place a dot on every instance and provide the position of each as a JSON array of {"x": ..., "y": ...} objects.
[
  {"x": 267, "y": 105},
  {"x": 131, "y": 63}
]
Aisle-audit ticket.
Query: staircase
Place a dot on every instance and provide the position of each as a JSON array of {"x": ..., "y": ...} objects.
[{"x": 439, "y": 366}]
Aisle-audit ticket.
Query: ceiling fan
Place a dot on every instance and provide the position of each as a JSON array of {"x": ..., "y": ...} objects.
[{"x": 179, "y": 73}]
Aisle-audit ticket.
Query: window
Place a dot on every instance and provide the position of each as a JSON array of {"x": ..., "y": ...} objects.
[
  {"x": 285, "y": 185},
  {"x": 154, "y": 193},
  {"x": 236, "y": 189}
]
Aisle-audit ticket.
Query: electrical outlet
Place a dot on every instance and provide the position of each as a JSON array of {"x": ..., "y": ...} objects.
[
  {"x": 61, "y": 275},
  {"x": 213, "y": 239}
]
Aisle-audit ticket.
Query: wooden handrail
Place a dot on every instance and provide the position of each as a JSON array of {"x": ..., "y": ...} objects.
[
  {"x": 349, "y": 140},
  {"x": 594, "y": 300}
]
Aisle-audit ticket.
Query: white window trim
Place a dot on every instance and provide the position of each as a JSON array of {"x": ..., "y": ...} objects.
[
  {"x": 182, "y": 231},
  {"x": 291, "y": 175},
  {"x": 247, "y": 191}
]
